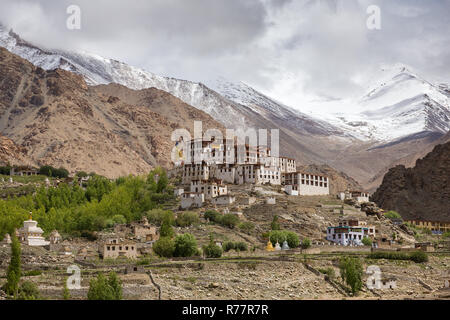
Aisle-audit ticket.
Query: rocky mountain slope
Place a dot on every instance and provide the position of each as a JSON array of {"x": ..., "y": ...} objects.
[
  {"x": 62, "y": 121},
  {"x": 401, "y": 114},
  {"x": 12, "y": 154},
  {"x": 421, "y": 192}
]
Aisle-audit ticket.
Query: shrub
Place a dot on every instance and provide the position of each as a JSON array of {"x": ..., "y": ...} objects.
[
  {"x": 229, "y": 220},
  {"x": 185, "y": 245},
  {"x": 212, "y": 215},
  {"x": 392, "y": 215},
  {"x": 240, "y": 246},
  {"x": 351, "y": 273},
  {"x": 419, "y": 257},
  {"x": 329, "y": 272},
  {"x": 292, "y": 239},
  {"x": 29, "y": 291},
  {"x": 277, "y": 236},
  {"x": 185, "y": 219},
  {"x": 306, "y": 243},
  {"x": 246, "y": 226},
  {"x": 275, "y": 225},
  {"x": 164, "y": 247},
  {"x": 166, "y": 229},
  {"x": 33, "y": 273},
  {"x": 104, "y": 288},
  {"x": 212, "y": 250},
  {"x": 157, "y": 216},
  {"x": 367, "y": 241},
  {"x": 227, "y": 246},
  {"x": 66, "y": 292}
]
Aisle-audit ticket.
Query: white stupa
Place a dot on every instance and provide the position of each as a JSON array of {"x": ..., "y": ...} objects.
[
  {"x": 31, "y": 234},
  {"x": 277, "y": 246}
]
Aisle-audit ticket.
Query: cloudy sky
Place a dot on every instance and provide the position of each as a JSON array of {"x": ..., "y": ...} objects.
[{"x": 293, "y": 50}]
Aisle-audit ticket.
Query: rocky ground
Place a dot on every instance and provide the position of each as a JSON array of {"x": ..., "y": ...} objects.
[{"x": 263, "y": 276}]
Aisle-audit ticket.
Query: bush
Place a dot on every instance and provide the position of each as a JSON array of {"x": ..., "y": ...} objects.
[
  {"x": 164, "y": 247},
  {"x": 212, "y": 250},
  {"x": 292, "y": 239},
  {"x": 277, "y": 236},
  {"x": 246, "y": 226},
  {"x": 306, "y": 243},
  {"x": 419, "y": 257},
  {"x": 33, "y": 273},
  {"x": 351, "y": 273},
  {"x": 104, "y": 288},
  {"x": 416, "y": 256},
  {"x": 157, "y": 216},
  {"x": 275, "y": 225},
  {"x": 29, "y": 291},
  {"x": 185, "y": 245},
  {"x": 283, "y": 235},
  {"x": 392, "y": 215},
  {"x": 367, "y": 241},
  {"x": 212, "y": 215},
  {"x": 229, "y": 220},
  {"x": 240, "y": 246},
  {"x": 166, "y": 229},
  {"x": 50, "y": 171},
  {"x": 227, "y": 246},
  {"x": 329, "y": 272},
  {"x": 185, "y": 219}
]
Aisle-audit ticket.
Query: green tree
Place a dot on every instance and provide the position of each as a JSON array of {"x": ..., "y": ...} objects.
[
  {"x": 351, "y": 273},
  {"x": 164, "y": 247},
  {"x": 185, "y": 219},
  {"x": 229, "y": 220},
  {"x": 306, "y": 243},
  {"x": 292, "y": 239},
  {"x": 212, "y": 250},
  {"x": 13, "y": 273},
  {"x": 367, "y": 241},
  {"x": 105, "y": 288},
  {"x": 275, "y": 225},
  {"x": 162, "y": 183},
  {"x": 185, "y": 245},
  {"x": 166, "y": 229}
]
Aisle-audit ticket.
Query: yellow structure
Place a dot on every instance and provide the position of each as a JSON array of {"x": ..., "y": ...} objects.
[
  {"x": 431, "y": 225},
  {"x": 269, "y": 246}
]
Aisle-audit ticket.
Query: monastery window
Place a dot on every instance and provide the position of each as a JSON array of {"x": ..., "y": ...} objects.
[
  {"x": 120, "y": 248},
  {"x": 108, "y": 248}
]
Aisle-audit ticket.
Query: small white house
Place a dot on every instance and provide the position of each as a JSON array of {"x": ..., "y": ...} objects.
[
  {"x": 178, "y": 192},
  {"x": 270, "y": 200},
  {"x": 224, "y": 200},
  {"x": 192, "y": 199},
  {"x": 291, "y": 190}
]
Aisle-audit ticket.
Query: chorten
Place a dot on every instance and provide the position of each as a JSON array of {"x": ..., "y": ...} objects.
[
  {"x": 277, "y": 247},
  {"x": 31, "y": 234},
  {"x": 269, "y": 246},
  {"x": 285, "y": 246}
]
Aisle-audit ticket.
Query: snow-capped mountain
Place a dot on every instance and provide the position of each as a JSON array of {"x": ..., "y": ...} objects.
[
  {"x": 400, "y": 103},
  {"x": 98, "y": 70}
]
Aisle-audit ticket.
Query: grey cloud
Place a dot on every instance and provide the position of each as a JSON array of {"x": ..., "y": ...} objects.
[{"x": 320, "y": 46}]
